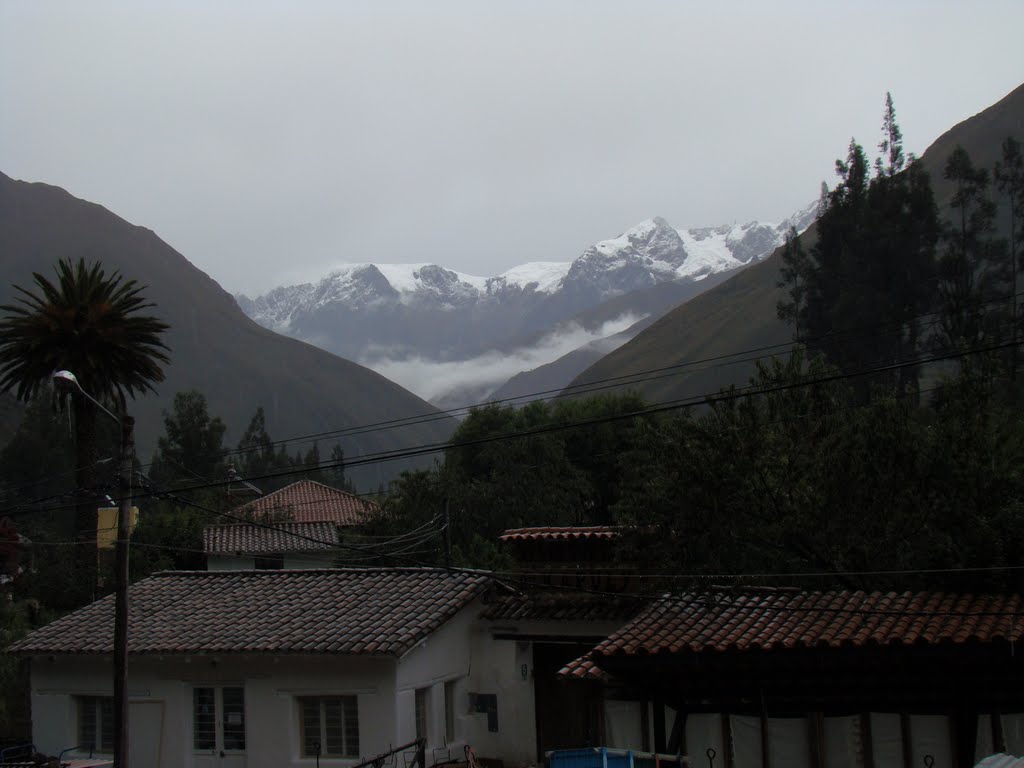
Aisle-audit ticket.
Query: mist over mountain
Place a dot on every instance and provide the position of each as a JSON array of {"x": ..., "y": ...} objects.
[{"x": 455, "y": 338}]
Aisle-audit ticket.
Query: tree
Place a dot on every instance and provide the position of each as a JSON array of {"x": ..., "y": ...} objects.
[
  {"x": 973, "y": 274},
  {"x": 96, "y": 326},
  {"x": 1009, "y": 178},
  {"x": 891, "y": 145},
  {"x": 192, "y": 443},
  {"x": 857, "y": 295}
]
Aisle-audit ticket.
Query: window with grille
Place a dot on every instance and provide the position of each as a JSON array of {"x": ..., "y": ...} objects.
[
  {"x": 330, "y": 726},
  {"x": 449, "y": 712},
  {"x": 204, "y": 719},
  {"x": 96, "y": 723},
  {"x": 421, "y": 712}
]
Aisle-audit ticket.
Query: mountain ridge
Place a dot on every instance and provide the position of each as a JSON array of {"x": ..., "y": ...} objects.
[
  {"x": 215, "y": 348},
  {"x": 380, "y": 314}
]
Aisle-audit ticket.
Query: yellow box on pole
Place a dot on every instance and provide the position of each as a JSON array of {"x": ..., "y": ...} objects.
[{"x": 106, "y": 525}]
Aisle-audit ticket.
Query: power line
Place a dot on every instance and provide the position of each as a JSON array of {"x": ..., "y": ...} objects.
[
  {"x": 749, "y": 355},
  {"x": 683, "y": 403}
]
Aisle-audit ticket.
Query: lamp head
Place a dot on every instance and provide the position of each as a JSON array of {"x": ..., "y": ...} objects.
[{"x": 65, "y": 379}]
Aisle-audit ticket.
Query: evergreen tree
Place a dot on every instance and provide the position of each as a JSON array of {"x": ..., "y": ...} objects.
[
  {"x": 255, "y": 455},
  {"x": 335, "y": 474},
  {"x": 974, "y": 277},
  {"x": 857, "y": 295},
  {"x": 1009, "y": 178},
  {"x": 192, "y": 443}
]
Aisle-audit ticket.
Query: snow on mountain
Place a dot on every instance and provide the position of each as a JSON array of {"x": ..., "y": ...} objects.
[
  {"x": 387, "y": 298},
  {"x": 540, "y": 276}
]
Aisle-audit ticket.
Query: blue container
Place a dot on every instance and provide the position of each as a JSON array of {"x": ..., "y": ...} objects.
[
  {"x": 602, "y": 757},
  {"x": 591, "y": 757}
]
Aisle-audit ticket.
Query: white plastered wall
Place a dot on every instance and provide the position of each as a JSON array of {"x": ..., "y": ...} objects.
[
  {"x": 296, "y": 562},
  {"x": 505, "y": 667},
  {"x": 271, "y": 687}
]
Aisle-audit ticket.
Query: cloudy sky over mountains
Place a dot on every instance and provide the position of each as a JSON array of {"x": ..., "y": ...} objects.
[{"x": 268, "y": 141}]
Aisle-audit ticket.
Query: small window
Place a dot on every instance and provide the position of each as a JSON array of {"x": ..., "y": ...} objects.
[
  {"x": 330, "y": 726},
  {"x": 449, "y": 712},
  {"x": 96, "y": 723},
  {"x": 422, "y": 718},
  {"x": 204, "y": 719},
  {"x": 270, "y": 563}
]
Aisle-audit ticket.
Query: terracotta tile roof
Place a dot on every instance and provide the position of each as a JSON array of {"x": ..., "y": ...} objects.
[
  {"x": 345, "y": 611},
  {"x": 307, "y": 501},
  {"x": 769, "y": 620},
  {"x": 560, "y": 607},
  {"x": 242, "y": 539},
  {"x": 567, "y": 533},
  {"x": 583, "y": 668}
]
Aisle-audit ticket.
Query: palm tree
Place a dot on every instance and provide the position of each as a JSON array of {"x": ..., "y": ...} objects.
[{"x": 91, "y": 324}]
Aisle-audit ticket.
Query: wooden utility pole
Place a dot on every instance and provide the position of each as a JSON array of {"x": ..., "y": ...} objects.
[{"x": 121, "y": 594}]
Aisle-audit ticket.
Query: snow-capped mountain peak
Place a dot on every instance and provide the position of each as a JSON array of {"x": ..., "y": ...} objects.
[{"x": 533, "y": 293}]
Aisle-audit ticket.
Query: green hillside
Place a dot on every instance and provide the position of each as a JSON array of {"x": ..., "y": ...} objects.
[{"x": 740, "y": 314}]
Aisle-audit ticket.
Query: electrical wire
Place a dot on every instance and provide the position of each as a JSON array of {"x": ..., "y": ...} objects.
[{"x": 682, "y": 403}]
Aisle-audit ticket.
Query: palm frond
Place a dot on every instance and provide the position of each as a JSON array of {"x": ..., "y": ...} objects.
[{"x": 86, "y": 322}]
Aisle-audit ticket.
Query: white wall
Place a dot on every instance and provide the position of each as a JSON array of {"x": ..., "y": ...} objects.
[
  {"x": 447, "y": 655},
  {"x": 498, "y": 668},
  {"x": 463, "y": 651},
  {"x": 291, "y": 562},
  {"x": 271, "y": 687}
]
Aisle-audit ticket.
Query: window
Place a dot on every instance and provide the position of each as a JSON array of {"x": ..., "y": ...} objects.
[
  {"x": 96, "y": 723},
  {"x": 449, "y": 712},
  {"x": 204, "y": 719},
  {"x": 421, "y": 712},
  {"x": 330, "y": 726},
  {"x": 218, "y": 718}
]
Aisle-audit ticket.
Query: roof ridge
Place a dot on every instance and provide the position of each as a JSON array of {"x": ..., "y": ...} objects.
[{"x": 368, "y": 569}]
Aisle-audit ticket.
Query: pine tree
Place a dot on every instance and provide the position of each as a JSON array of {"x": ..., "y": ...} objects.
[
  {"x": 857, "y": 295},
  {"x": 974, "y": 277},
  {"x": 1009, "y": 178}
]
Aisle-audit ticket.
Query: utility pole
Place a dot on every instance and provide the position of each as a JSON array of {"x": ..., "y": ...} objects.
[
  {"x": 121, "y": 594},
  {"x": 67, "y": 379},
  {"x": 447, "y": 535}
]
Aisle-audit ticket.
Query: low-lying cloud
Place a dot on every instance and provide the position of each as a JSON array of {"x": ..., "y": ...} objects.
[{"x": 433, "y": 379}]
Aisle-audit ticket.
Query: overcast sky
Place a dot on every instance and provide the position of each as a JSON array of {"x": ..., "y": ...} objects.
[{"x": 268, "y": 142}]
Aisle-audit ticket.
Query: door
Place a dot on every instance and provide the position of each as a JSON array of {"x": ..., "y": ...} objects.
[
  {"x": 218, "y": 726},
  {"x": 145, "y": 740},
  {"x": 569, "y": 715}
]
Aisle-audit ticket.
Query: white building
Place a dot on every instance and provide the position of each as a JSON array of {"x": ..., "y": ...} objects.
[
  {"x": 294, "y": 527},
  {"x": 255, "y": 668}
]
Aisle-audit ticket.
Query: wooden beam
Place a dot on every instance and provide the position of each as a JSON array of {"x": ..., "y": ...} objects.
[
  {"x": 867, "y": 741},
  {"x": 766, "y": 757},
  {"x": 659, "y": 726},
  {"x": 906, "y": 739},
  {"x": 728, "y": 755},
  {"x": 645, "y": 725},
  {"x": 998, "y": 737},
  {"x": 816, "y": 739}
]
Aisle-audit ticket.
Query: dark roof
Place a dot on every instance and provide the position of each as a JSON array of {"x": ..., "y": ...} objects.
[
  {"x": 307, "y": 501},
  {"x": 566, "y": 533},
  {"x": 567, "y": 606},
  {"x": 770, "y": 620},
  {"x": 345, "y": 611},
  {"x": 244, "y": 539}
]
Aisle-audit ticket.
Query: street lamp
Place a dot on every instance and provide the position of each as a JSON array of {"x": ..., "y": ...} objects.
[{"x": 67, "y": 379}]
